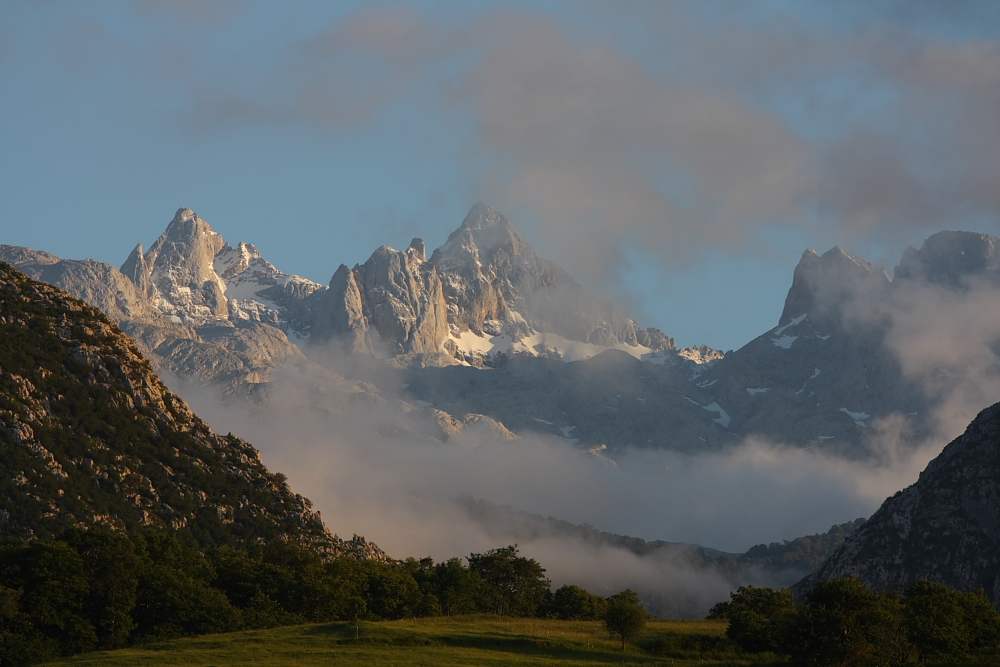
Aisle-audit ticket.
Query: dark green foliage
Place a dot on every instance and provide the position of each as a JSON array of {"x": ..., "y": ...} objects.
[
  {"x": 20, "y": 642},
  {"x": 53, "y": 585},
  {"x": 456, "y": 587},
  {"x": 952, "y": 627},
  {"x": 512, "y": 585},
  {"x": 113, "y": 568},
  {"x": 759, "y": 618},
  {"x": 175, "y": 596},
  {"x": 845, "y": 623},
  {"x": 624, "y": 616},
  {"x": 573, "y": 603},
  {"x": 803, "y": 553}
]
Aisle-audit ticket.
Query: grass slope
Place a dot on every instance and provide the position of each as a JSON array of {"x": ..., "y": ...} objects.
[{"x": 439, "y": 642}]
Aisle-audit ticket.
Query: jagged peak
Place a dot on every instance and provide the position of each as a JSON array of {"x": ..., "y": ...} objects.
[
  {"x": 186, "y": 222},
  {"x": 484, "y": 216},
  {"x": 417, "y": 246},
  {"x": 183, "y": 214},
  {"x": 822, "y": 283},
  {"x": 484, "y": 231},
  {"x": 135, "y": 268},
  {"x": 949, "y": 257}
]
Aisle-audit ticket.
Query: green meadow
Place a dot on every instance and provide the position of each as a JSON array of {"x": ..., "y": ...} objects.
[{"x": 436, "y": 642}]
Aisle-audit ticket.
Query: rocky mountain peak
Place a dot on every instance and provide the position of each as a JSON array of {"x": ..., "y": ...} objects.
[
  {"x": 950, "y": 258},
  {"x": 485, "y": 292},
  {"x": 191, "y": 275},
  {"x": 181, "y": 269},
  {"x": 482, "y": 235},
  {"x": 822, "y": 285}
]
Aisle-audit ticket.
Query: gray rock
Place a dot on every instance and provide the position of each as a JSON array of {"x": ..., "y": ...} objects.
[
  {"x": 945, "y": 527},
  {"x": 392, "y": 304}
]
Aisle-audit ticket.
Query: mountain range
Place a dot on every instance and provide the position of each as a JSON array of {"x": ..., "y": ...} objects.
[
  {"x": 486, "y": 342},
  {"x": 486, "y": 331}
]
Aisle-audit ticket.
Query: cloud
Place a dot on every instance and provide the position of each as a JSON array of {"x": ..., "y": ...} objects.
[{"x": 727, "y": 127}]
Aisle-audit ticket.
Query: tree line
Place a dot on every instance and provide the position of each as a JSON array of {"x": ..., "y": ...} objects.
[
  {"x": 843, "y": 622},
  {"x": 100, "y": 589}
]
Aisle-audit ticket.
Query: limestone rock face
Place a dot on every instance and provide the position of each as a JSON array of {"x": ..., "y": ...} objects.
[
  {"x": 180, "y": 268},
  {"x": 404, "y": 299},
  {"x": 393, "y": 304},
  {"x": 191, "y": 275},
  {"x": 94, "y": 282},
  {"x": 945, "y": 527},
  {"x": 494, "y": 279},
  {"x": 483, "y": 296}
]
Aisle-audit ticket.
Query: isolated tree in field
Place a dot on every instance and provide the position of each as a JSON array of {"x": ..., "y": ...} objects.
[
  {"x": 625, "y": 617},
  {"x": 512, "y": 585},
  {"x": 356, "y": 608}
]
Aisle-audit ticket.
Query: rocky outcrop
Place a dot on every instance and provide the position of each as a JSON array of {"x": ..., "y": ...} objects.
[
  {"x": 99, "y": 284},
  {"x": 945, "y": 527},
  {"x": 392, "y": 304},
  {"x": 89, "y": 435},
  {"x": 829, "y": 372}
]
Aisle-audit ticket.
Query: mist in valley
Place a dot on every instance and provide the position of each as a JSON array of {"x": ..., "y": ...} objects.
[{"x": 408, "y": 492}]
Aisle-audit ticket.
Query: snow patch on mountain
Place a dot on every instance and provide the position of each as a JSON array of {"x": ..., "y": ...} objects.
[
  {"x": 784, "y": 342},
  {"x": 469, "y": 344}
]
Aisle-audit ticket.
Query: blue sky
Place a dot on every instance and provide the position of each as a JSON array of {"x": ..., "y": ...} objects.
[{"x": 675, "y": 156}]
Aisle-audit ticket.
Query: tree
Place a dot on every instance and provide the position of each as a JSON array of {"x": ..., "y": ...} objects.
[
  {"x": 52, "y": 579},
  {"x": 356, "y": 608},
  {"x": 844, "y": 623},
  {"x": 512, "y": 585},
  {"x": 759, "y": 618},
  {"x": 625, "y": 617},
  {"x": 113, "y": 568},
  {"x": 456, "y": 587},
  {"x": 982, "y": 623},
  {"x": 572, "y": 603},
  {"x": 950, "y": 626},
  {"x": 935, "y": 622}
]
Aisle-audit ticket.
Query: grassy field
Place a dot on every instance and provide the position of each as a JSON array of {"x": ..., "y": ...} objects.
[{"x": 436, "y": 642}]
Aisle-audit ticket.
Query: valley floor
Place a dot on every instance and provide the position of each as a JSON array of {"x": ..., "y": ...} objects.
[{"x": 438, "y": 642}]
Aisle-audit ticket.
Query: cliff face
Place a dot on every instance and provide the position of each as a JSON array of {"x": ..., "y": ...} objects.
[
  {"x": 89, "y": 435},
  {"x": 945, "y": 527},
  {"x": 392, "y": 304}
]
